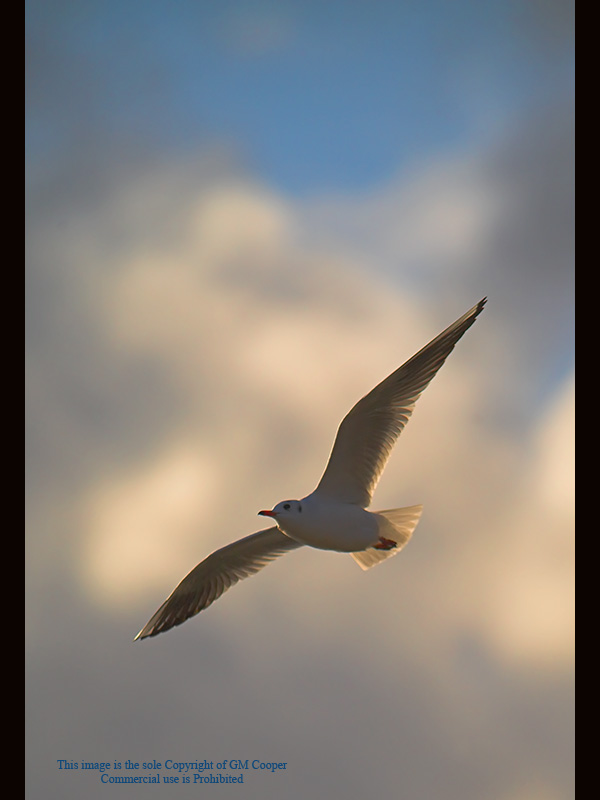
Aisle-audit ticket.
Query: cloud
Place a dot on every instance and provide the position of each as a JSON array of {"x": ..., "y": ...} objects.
[
  {"x": 265, "y": 345},
  {"x": 190, "y": 374},
  {"x": 532, "y": 616},
  {"x": 131, "y": 519}
]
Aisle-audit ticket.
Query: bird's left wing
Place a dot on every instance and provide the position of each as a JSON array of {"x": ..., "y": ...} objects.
[
  {"x": 368, "y": 432},
  {"x": 217, "y": 573}
]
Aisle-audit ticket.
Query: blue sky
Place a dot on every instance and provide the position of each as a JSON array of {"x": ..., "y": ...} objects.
[{"x": 311, "y": 95}]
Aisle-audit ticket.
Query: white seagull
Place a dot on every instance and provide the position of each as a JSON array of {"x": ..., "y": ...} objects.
[{"x": 334, "y": 516}]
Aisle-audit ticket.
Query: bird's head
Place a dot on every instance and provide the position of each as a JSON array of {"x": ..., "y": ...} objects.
[{"x": 284, "y": 511}]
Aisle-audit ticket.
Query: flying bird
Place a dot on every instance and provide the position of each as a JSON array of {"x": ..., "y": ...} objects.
[{"x": 334, "y": 516}]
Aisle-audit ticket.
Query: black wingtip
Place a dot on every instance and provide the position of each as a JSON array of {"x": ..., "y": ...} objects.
[{"x": 477, "y": 309}]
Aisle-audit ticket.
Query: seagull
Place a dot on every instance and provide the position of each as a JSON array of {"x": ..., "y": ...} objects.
[{"x": 334, "y": 516}]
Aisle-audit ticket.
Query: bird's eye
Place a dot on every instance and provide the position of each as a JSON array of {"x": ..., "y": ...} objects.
[
  {"x": 286, "y": 506},
  {"x": 299, "y": 508}
]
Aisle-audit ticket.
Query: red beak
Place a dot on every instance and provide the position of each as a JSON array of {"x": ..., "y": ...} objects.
[{"x": 267, "y": 513}]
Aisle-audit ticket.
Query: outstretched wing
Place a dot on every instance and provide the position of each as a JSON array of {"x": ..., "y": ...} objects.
[
  {"x": 367, "y": 434},
  {"x": 217, "y": 573}
]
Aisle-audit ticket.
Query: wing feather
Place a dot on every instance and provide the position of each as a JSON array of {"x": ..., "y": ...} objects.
[
  {"x": 217, "y": 573},
  {"x": 369, "y": 431}
]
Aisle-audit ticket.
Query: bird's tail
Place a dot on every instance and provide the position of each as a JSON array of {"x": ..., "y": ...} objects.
[{"x": 396, "y": 525}]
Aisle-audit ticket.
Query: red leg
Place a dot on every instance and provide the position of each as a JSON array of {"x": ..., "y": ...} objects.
[{"x": 385, "y": 544}]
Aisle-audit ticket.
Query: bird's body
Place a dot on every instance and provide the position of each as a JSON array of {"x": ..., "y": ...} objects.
[
  {"x": 327, "y": 525},
  {"x": 334, "y": 516}
]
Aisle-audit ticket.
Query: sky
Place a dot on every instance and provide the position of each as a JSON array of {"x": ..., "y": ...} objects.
[{"x": 240, "y": 217}]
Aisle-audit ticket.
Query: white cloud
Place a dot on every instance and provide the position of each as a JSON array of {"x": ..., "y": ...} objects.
[
  {"x": 200, "y": 377},
  {"x": 270, "y": 358},
  {"x": 137, "y": 523},
  {"x": 532, "y": 610}
]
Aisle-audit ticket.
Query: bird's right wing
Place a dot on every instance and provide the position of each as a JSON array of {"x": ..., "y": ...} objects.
[{"x": 217, "y": 573}]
